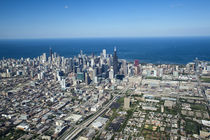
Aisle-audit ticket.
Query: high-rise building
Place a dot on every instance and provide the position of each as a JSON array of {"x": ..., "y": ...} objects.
[
  {"x": 136, "y": 62},
  {"x": 176, "y": 74},
  {"x": 109, "y": 61},
  {"x": 32, "y": 74},
  {"x": 127, "y": 103},
  {"x": 125, "y": 68},
  {"x": 81, "y": 53},
  {"x": 115, "y": 61},
  {"x": 40, "y": 75},
  {"x": 111, "y": 74},
  {"x": 51, "y": 53},
  {"x": 92, "y": 62},
  {"x": 95, "y": 79},
  {"x": 162, "y": 108},
  {"x": 137, "y": 70},
  {"x": 196, "y": 64},
  {"x": 44, "y": 58},
  {"x": 104, "y": 53},
  {"x": 94, "y": 72},
  {"x": 63, "y": 84},
  {"x": 80, "y": 76},
  {"x": 87, "y": 78}
]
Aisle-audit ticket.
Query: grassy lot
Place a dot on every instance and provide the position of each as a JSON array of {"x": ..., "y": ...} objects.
[
  {"x": 192, "y": 127},
  {"x": 207, "y": 80},
  {"x": 172, "y": 111},
  {"x": 121, "y": 101},
  {"x": 199, "y": 107},
  {"x": 149, "y": 135}
]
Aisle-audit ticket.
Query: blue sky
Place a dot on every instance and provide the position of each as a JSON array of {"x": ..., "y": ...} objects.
[{"x": 103, "y": 18}]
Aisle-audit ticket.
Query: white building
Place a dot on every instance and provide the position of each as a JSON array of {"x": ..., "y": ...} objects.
[
  {"x": 23, "y": 126},
  {"x": 111, "y": 74},
  {"x": 63, "y": 84},
  {"x": 104, "y": 53}
]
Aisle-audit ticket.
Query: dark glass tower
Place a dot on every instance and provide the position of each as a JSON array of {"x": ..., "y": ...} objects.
[
  {"x": 115, "y": 62},
  {"x": 51, "y": 53}
]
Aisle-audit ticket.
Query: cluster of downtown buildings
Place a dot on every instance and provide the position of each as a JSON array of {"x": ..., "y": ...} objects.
[{"x": 48, "y": 96}]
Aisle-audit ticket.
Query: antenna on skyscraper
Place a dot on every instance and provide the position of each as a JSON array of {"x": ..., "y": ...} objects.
[{"x": 50, "y": 49}]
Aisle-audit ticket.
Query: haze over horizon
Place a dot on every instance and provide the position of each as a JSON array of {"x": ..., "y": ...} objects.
[{"x": 95, "y": 18}]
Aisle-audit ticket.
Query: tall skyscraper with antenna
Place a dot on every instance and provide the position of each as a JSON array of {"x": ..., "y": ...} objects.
[
  {"x": 51, "y": 53},
  {"x": 115, "y": 61}
]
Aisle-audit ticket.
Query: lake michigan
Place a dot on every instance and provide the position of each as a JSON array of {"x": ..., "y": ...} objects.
[{"x": 170, "y": 50}]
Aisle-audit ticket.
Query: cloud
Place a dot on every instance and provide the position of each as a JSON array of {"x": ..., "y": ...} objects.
[
  {"x": 176, "y": 5},
  {"x": 66, "y": 6}
]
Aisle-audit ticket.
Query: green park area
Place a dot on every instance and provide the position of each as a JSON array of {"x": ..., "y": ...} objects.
[
  {"x": 192, "y": 127},
  {"x": 206, "y": 80},
  {"x": 199, "y": 107},
  {"x": 13, "y": 134}
]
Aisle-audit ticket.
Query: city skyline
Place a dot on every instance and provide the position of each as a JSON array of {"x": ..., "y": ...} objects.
[
  {"x": 87, "y": 19},
  {"x": 102, "y": 97},
  {"x": 104, "y": 69}
]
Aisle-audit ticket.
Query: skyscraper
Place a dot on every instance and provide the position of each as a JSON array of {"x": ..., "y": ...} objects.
[
  {"x": 124, "y": 67},
  {"x": 44, "y": 57},
  {"x": 63, "y": 84},
  {"x": 87, "y": 78},
  {"x": 51, "y": 53},
  {"x": 115, "y": 61},
  {"x": 136, "y": 62},
  {"x": 104, "y": 53},
  {"x": 111, "y": 74}
]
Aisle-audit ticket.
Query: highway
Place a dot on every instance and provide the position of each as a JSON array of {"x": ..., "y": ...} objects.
[
  {"x": 89, "y": 121},
  {"x": 72, "y": 133}
]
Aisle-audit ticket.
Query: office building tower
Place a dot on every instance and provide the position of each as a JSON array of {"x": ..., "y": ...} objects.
[
  {"x": 40, "y": 75},
  {"x": 63, "y": 84},
  {"x": 162, "y": 108},
  {"x": 111, "y": 74},
  {"x": 101, "y": 62},
  {"x": 44, "y": 58},
  {"x": 109, "y": 61},
  {"x": 51, "y": 53},
  {"x": 160, "y": 72},
  {"x": 87, "y": 79},
  {"x": 136, "y": 62},
  {"x": 94, "y": 72},
  {"x": 104, "y": 53},
  {"x": 32, "y": 74},
  {"x": 8, "y": 72},
  {"x": 96, "y": 80},
  {"x": 92, "y": 62},
  {"x": 176, "y": 74},
  {"x": 154, "y": 73},
  {"x": 81, "y": 52},
  {"x": 125, "y": 67},
  {"x": 137, "y": 70},
  {"x": 80, "y": 76},
  {"x": 60, "y": 74}
]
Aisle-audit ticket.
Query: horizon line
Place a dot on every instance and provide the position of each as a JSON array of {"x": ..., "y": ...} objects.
[{"x": 192, "y": 36}]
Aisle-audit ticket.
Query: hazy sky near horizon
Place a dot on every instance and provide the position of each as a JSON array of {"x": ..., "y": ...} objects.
[{"x": 103, "y": 18}]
